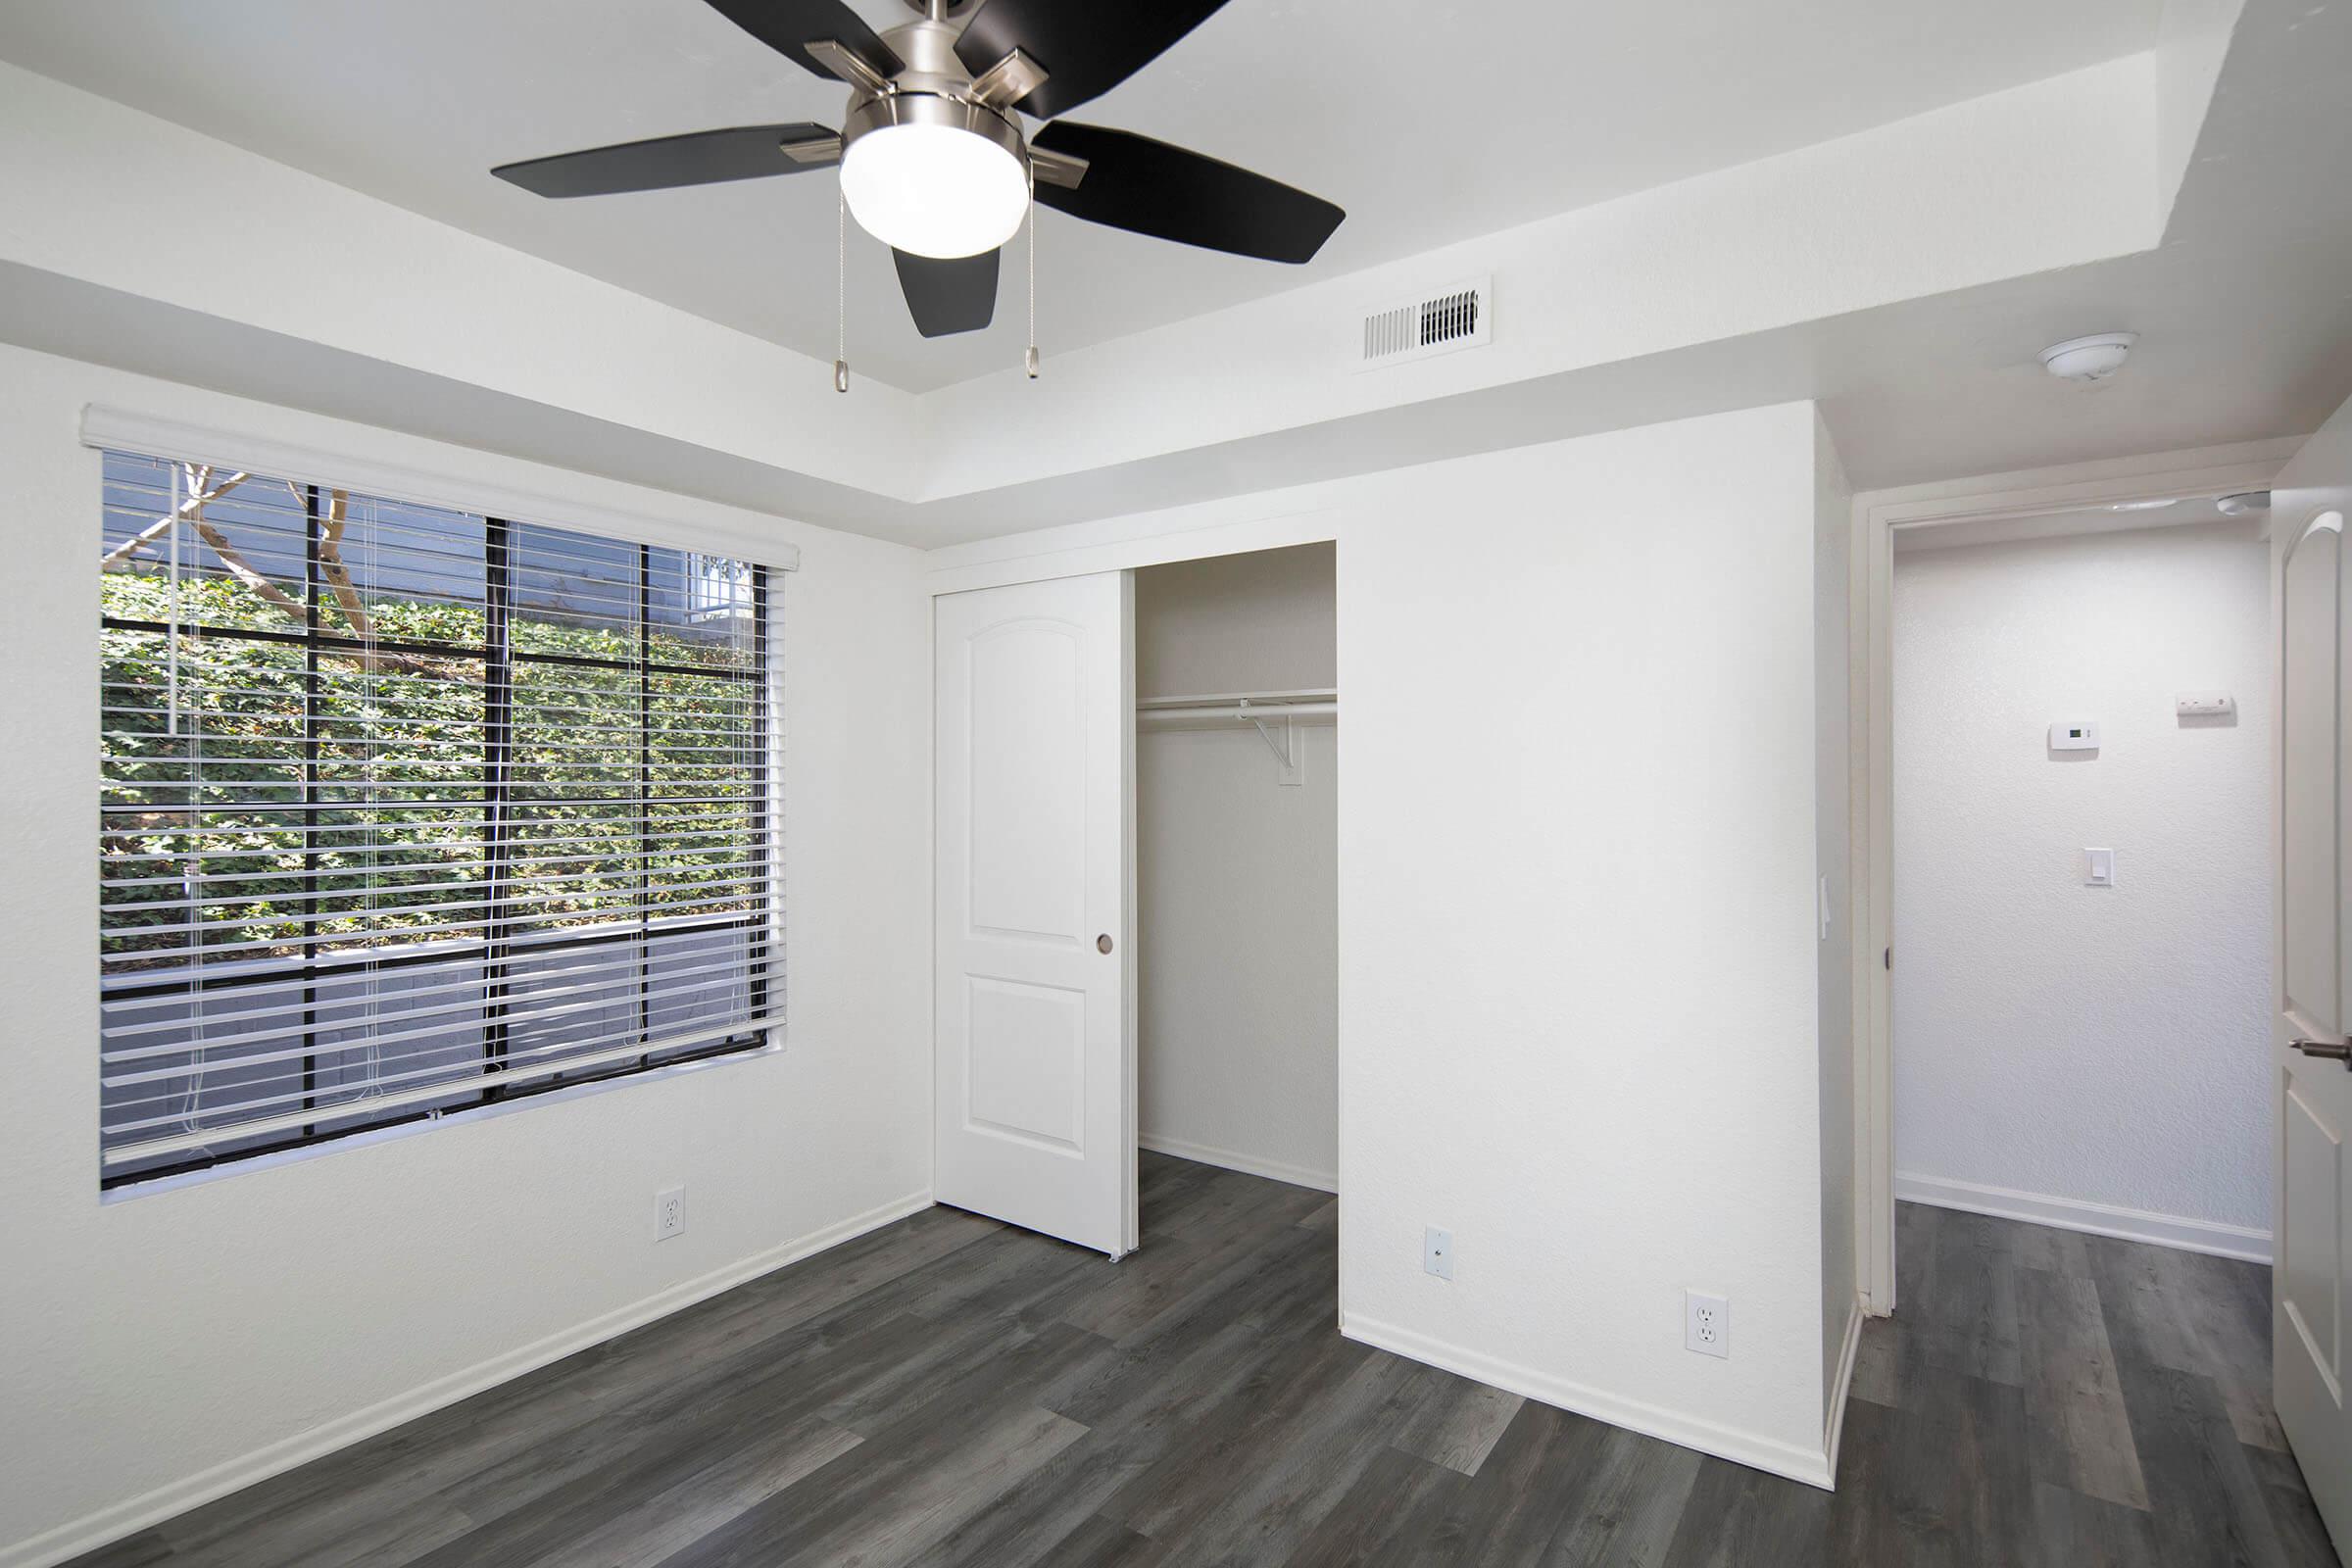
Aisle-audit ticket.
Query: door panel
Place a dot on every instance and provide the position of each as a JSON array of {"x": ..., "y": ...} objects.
[
  {"x": 2314, "y": 1093},
  {"x": 1027, "y": 681},
  {"x": 2310, "y": 1260},
  {"x": 2308, "y": 694},
  {"x": 1027, "y": 1061},
  {"x": 1033, "y": 1117}
]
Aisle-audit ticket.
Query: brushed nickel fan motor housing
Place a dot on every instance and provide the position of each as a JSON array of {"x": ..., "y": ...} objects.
[
  {"x": 932, "y": 90},
  {"x": 931, "y": 109}
]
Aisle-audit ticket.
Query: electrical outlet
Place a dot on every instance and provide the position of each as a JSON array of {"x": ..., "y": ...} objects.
[
  {"x": 1706, "y": 1324},
  {"x": 669, "y": 1212},
  {"x": 1436, "y": 1252}
]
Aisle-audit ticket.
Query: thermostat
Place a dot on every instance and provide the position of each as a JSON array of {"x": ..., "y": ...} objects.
[{"x": 2074, "y": 735}]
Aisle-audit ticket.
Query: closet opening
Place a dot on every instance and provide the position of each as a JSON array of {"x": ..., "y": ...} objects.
[{"x": 1235, "y": 863}]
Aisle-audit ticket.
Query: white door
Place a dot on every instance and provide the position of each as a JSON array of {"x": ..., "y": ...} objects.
[
  {"x": 2313, "y": 1195},
  {"x": 1033, "y": 1089}
]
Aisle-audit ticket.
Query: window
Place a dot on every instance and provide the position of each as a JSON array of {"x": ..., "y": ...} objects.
[{"x": 406, "y": 810}]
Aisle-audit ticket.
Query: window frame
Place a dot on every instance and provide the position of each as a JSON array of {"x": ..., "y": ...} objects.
[{"x": 497, "y": 943}]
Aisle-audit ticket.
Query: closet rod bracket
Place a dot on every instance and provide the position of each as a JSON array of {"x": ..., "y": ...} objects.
[{"x": 1287, "y": 753}]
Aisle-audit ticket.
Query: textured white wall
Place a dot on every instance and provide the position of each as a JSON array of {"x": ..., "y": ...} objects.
[
  {"x": 1577, "y": 978},
  {"x": 2107, "y": 1046},
  {"x": 1579, "y": 1000},
  {"x": 1804, "y": 235},
  {"x": 1265, "y": 620},
  {"x": 1832, "y": 828},
  {"x": 176, "y": 1342},
  {"x": 1237, "y": 882},
  {"x": 310, "y": 261},
  {"x": 1237, "y": 878}
]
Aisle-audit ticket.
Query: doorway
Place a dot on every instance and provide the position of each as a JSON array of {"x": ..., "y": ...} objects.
[
  {"x": 1237, "y": 834},
  {"x": 2081, "y": 897},
  {"x": 1134, "y": 770},
  {"x": 2033, "y": 590}
]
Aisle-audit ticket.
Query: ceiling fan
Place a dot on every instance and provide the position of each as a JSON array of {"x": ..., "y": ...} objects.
[{"x": 934, "y": 158}]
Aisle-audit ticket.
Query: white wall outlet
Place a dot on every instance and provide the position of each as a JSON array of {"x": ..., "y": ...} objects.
[
  {"x": 1706, "y": 1324},
  {"x": 669, "y": 1212},
  {"x": 1436, "y": 1252}
]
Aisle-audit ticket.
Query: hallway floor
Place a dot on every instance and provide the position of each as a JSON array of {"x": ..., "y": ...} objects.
[{"x": 949, "y": 1391}]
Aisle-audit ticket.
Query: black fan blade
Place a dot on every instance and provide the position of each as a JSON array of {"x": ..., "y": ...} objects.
[
  {"x": 698, "y": 157},
  {"x": 1150, "y": 187},
  {"x": 1086, "y": 46},
  {"x": 788, "y": 27},
  {"x": 947, "y": 297}
]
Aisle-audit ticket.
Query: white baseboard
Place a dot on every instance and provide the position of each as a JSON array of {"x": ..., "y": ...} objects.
[
  {"x": 2077, "y": 1214},
  {"x": 1322, "y": 1180},
  {"x": 113, "y": 1523},
  {"x": 1793, "y": 1460},
  {"x": 1834, "y": 1427}
]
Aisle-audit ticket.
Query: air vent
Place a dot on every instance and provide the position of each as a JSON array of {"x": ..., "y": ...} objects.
[{"x": 1457, "y": 317}]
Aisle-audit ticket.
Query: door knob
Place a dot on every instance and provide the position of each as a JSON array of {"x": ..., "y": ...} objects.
[
  {"x": 2339, "y": 1051},
  {"x": 1102, "y": 943}
]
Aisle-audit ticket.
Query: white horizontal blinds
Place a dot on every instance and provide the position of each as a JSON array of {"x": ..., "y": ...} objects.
[{"x": 407, "y": 808}]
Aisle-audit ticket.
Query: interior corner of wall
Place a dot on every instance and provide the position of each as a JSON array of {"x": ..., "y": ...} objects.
[{"x": 2192, "y": 39}]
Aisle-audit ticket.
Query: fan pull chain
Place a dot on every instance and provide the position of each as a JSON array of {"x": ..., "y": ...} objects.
[
  {"x": 841, "y": 292},
  {"x": 1032, "y": 359}
]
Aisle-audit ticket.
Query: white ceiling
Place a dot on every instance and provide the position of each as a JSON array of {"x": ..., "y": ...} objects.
[{"x": 1403, "y": 110}]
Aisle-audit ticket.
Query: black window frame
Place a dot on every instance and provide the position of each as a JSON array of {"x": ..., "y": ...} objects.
[{"x": 499, "y": 658}]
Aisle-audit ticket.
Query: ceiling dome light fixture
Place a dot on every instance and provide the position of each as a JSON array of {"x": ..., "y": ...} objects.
[
  {"x": 2089, "y": 358},
  {"x": 2244, "y": 504},
  {"x": 934, "y": 177}
]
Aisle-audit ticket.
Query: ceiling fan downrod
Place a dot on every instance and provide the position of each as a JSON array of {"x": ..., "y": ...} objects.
[
  {"x": 840, "y": 293},
  {"x": 1030, "y": 359}
]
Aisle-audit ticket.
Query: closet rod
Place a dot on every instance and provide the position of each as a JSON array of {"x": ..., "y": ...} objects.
[
  {"x": 1225, "y": 704},
  {"x": 1246, "y": 711}
]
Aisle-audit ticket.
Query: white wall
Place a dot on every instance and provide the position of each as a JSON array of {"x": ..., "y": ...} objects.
[
  {"x": 276, "y": 258},
  {"x": 2192, "y": 39},
  {"x": 1264, "y": 620},
  {"x": 2066, "y": 1043},
  {"x": 1237, "y": 879},
  {"x": 1818, "y": 232},
  {"x": 1579, "y": 994},
  {"x": 1576, "y": 862},
  {"x": 82, "y": 178},
  {"x": 178, "y": 1344},
  {"x": 1834, "y": 677}
]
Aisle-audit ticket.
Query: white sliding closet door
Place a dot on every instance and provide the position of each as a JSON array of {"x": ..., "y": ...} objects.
[{"x": 1034, "y": 1120}]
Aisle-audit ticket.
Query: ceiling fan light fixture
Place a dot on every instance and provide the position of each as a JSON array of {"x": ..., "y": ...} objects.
[{"x": 934, "y": 177}]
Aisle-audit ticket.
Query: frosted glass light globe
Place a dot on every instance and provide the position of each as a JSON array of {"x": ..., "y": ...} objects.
[{"x": 934, "y": 190}]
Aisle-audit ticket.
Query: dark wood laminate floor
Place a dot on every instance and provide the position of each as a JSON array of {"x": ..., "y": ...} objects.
[{"x": 948, "y": 1390}]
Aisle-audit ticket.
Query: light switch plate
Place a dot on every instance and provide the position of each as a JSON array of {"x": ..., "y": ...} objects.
[{"x": 2098, "y": 868}]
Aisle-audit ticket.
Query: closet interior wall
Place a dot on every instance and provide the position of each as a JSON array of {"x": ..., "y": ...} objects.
[{"x": 1237, "y": 872}]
